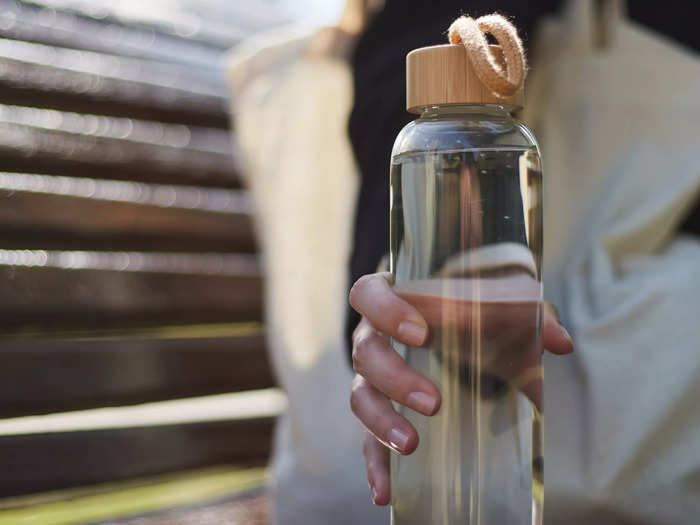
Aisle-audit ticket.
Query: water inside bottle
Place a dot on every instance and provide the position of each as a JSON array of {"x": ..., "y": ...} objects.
[{"x": 466, "y": 250}]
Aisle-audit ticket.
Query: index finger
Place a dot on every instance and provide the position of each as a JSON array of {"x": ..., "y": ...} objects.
[{"x": 373, "y": 298}]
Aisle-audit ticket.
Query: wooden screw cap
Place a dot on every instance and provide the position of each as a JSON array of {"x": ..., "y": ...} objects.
[{"x": 444, "y": 75}]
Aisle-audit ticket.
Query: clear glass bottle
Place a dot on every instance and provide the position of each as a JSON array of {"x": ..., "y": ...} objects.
[{"x": 466, "y": 247}]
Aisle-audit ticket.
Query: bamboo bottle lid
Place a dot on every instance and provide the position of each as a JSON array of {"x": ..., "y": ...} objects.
[{"x": 444, "y": 75}]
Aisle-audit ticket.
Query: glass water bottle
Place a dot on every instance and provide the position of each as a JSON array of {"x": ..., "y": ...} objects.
[{"x": 466, "y": 248}]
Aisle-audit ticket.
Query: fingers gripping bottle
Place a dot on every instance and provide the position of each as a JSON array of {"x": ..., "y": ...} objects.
[{"x": 466, "y": 247}]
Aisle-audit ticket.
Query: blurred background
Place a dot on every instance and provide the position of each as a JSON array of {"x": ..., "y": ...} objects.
[
  {"x": 156, "y": 368},
  {"x": 133, "y": 372}
]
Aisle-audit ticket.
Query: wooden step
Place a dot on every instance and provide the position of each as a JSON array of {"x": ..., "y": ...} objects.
[
  {"x": 34, "y": 23},
  {"x": 44, "y": 290},
  {"x": 37, "y": 140},
  {"x": 51, "y": 374},
  {"x": 54, "y": 212},
  {"x": 86, "y": 82},
  {"x": 57, "y": 451}
]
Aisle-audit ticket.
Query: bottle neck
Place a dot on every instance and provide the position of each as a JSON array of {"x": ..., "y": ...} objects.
[{"x": 496, "y": 111}]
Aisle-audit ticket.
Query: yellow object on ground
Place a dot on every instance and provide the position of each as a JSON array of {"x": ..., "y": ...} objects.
[{"x": 121, "y": 500}]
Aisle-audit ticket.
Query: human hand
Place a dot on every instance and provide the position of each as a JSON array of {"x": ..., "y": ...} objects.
[{"x": 382, "y": 375}]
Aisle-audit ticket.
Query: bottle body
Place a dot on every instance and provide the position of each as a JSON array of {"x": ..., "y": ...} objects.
[{"x": 466, "y": 246}]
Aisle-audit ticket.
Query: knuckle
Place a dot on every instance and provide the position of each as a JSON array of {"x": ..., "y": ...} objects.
[
  {"x": 357, "y": 383},
  {"x": 358, "y": 289},
  {"x": 362, "y": 328},
  {"x": 361, "y": 351},
  {"x": 355, "y": 394},
  {"x": 353, "y": 402},
  {"x": 356, "y": 361},
  {"x": 359, "y": 354}
]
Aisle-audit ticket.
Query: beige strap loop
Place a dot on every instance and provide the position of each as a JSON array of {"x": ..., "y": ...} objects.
[{"x": 472, "y": 33}]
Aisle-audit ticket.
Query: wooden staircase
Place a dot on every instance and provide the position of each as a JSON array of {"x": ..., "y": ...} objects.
[{"x": 129, "y": 272}]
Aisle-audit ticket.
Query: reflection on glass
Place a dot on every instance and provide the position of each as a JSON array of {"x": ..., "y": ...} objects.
[{"x": 465, "y": 251}]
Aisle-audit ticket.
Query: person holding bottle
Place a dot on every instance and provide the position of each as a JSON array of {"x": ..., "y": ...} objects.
[{"x": 621, "y": 181}]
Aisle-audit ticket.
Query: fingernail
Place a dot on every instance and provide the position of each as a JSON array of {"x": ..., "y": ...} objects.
[
  {"x": 556, "y": 314},
  {"x": 398, "y": 439},
  {"x": 374, "y": 493},
  {"x": 422, "y": 402},
  {"x": 412, "y": 333},
  {"x": 566, "y": 332}
]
